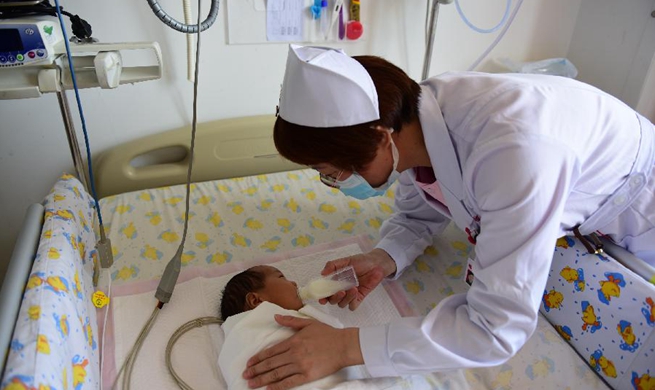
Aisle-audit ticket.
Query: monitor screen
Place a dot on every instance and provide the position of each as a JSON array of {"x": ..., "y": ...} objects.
[{"x": 10, "y": 40}]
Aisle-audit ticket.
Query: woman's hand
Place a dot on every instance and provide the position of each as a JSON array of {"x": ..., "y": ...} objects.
[
  {"x": 315, "y": 351},
  {"x": 370, "y": 268}
]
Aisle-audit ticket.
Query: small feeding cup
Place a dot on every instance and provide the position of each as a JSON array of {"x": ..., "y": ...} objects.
[{"x": 328, "y": 285}]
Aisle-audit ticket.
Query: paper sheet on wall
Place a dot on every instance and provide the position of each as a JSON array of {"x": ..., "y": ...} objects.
[
  {"x": 284, "y": 20},
  {"x": 248, "y": 22}
]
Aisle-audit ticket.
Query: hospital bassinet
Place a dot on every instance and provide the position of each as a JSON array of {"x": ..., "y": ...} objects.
[{"x": 596, "y": 329}]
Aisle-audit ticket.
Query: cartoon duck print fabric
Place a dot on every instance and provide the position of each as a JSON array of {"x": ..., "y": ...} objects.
[
  {"x": 54, "y": 327},
  {"x": 605, "y": 311}
]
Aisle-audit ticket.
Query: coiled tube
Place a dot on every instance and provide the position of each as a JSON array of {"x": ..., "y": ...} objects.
[{"x": 183, "y": 27}]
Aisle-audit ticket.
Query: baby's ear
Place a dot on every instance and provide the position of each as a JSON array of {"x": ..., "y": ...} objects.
[{"x": 253, "y": 300}]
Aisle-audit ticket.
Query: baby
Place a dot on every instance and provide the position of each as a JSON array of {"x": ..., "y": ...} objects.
[
  {"x": 249, "y": 303},
  {"x": 245, "y": 291}
]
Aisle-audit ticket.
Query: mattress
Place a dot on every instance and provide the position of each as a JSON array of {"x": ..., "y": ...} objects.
[{"x": 236, "y": 222}]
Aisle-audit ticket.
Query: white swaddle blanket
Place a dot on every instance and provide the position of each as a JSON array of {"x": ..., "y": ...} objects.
[{"x": 252, "y": 331}]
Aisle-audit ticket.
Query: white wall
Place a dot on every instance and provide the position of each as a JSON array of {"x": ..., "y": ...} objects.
[
  {"x": 237, "y": 80},
  {"x": 646, "y": 104},
  {"x": 613, "y": 46}
]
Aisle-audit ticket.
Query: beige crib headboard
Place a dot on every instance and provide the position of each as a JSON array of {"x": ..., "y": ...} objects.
[{"x": 224, "y": 148}]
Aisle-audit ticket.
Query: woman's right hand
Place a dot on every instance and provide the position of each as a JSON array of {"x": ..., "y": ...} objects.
[{"x": 370, "y": 268}]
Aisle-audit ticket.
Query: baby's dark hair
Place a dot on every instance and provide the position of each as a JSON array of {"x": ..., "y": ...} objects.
[{"x": 233, "y": 300}]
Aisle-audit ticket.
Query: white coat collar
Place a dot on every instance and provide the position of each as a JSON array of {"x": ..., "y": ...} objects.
[
  {"x": 444, "y": 160},
  {"x": 443, "y": 157}
]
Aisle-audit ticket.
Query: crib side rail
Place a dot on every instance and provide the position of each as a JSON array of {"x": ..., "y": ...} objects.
[
  {"x": 18, "y": 271},
  {"x": 629, "y": 260}
]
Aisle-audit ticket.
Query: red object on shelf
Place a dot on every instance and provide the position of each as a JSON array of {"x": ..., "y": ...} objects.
[{"x": 354, "y": 29}]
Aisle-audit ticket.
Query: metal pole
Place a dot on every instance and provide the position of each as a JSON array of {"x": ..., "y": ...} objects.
[
  {"x": 432, "y": 29},
  {"x": 78, "y": 160}
]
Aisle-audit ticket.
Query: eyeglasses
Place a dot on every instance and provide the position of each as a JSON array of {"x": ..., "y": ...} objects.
[{"x": 331, "y": 181}]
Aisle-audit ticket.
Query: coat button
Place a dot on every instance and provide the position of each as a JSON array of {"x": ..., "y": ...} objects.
[
  {"x": 619, "y": 200},
  {"x": 636, "y": 181}
]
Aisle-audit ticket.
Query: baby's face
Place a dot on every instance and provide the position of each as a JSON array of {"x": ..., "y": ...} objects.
[{"x": 279, "y": 290}]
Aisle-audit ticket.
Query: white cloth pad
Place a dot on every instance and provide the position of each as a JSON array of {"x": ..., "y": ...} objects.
[{"x": 195, "y": 355}]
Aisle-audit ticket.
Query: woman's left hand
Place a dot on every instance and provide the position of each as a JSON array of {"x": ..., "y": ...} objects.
[{"x": 315, "y": 351}]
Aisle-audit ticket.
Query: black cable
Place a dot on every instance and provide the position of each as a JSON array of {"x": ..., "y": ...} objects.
[{"x": 80, "y": 27}]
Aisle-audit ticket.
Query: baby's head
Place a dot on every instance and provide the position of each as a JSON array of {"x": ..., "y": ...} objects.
[{"x": 262, "y": 283}]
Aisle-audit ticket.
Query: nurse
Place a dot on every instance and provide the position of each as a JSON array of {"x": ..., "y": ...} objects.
[{"x": 515, "y": 161}]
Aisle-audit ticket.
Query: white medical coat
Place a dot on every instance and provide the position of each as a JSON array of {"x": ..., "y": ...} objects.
[{"x": 521, "y": 159}]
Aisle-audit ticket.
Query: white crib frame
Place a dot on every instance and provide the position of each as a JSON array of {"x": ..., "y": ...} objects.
[{"x": 15, "y": 280}]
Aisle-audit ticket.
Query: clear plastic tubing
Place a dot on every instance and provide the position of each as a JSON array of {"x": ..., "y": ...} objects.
[
  {"x": 482, "y": 30},
  {"x": 499, "y": 37}
]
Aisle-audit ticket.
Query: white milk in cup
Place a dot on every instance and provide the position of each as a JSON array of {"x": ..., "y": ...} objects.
[{"x": 328, "y": 285}]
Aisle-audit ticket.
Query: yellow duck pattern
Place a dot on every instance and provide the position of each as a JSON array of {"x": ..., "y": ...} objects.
[
  {"x": 272, "y": 244},
  {"x": 215, "y": 219},
  {"x": 169, "y": 236},
  {"x": 125, "y": 273},
  {"x": 219, "y": 258}
]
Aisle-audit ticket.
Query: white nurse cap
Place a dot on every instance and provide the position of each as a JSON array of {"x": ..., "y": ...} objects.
[{"x": 324, "y": 87}]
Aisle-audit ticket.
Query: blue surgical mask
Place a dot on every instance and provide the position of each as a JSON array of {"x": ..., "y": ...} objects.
[{"x": 357, "y": 187}]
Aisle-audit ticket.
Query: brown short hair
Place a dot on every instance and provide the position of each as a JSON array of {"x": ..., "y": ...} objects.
[{"x": 353, "y": 147}]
